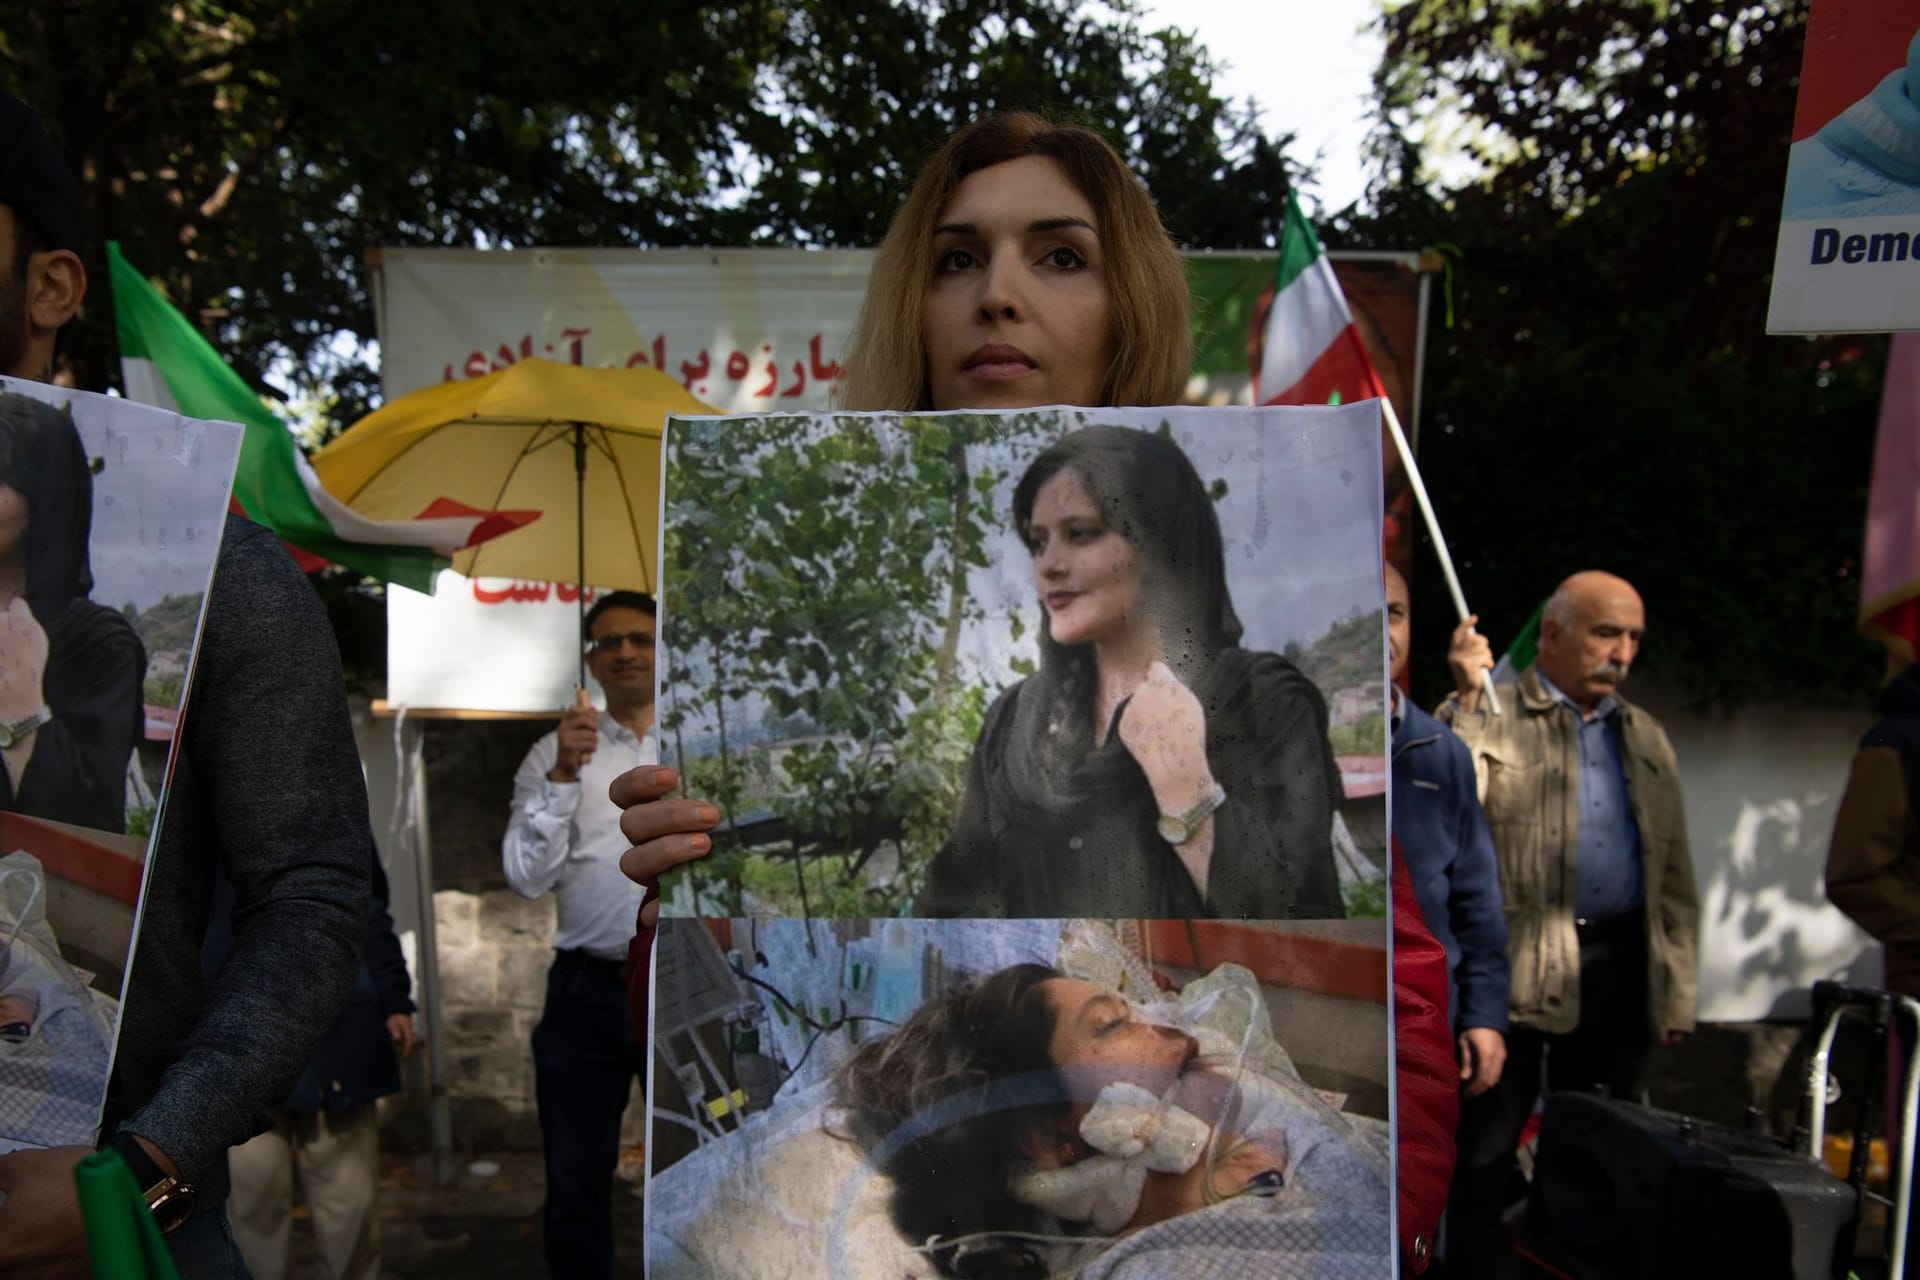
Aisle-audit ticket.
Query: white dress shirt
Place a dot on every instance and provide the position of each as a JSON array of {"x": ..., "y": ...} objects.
[{"x": 565, "y": 836}]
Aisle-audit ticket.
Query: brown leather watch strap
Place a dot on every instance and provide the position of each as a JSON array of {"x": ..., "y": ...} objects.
[{"x": 169, "y": 1199}]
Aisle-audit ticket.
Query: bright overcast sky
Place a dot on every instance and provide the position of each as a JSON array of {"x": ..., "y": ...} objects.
[{"x": 1307, "y": 66}]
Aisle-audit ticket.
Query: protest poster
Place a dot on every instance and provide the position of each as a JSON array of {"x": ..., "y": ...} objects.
[
  {"x": 1848, "y": 259},
  {"x": 111, "y": 515},
  {"x": 883, "y": 635},
  {"x": 1097, "y": 1098}
]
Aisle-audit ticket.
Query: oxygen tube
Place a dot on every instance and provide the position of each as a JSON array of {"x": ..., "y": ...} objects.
[
  {"x": 1163, "y": 1115},
  {"x": 13, "y": 1028}
]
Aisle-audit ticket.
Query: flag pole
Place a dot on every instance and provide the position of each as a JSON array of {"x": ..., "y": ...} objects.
[{"x": 1433, "y": 530}]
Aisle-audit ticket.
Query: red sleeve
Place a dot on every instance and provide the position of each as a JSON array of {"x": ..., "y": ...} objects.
[{"x": 1427, "y": 1081}]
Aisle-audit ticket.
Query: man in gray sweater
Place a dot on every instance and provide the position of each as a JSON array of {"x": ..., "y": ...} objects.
[{"x": 266, "y": 792}]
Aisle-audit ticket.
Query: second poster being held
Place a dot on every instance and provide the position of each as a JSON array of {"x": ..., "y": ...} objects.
[{"x": 1105, "y": 689}]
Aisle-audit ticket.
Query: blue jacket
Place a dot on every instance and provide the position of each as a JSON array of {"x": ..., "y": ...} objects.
[
  {"x": 1443, "y": 835},
  {"x": 354, "y": 1062}
]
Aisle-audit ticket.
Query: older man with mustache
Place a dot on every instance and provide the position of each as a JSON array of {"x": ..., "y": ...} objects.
[{"x": 1582, "y": 794}]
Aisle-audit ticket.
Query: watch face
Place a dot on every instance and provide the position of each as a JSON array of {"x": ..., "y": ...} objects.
[
  {"x": 173, "y": 1207},
  {"x": 15, "y": 731},
  {"x": 1172, "y": 830}
]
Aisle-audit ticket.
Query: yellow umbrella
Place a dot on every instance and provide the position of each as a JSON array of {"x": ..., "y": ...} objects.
[{"x": 537, "y": 435}]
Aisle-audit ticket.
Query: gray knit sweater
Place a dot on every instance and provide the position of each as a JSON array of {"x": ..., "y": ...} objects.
[{"x": 266, "y": 787}]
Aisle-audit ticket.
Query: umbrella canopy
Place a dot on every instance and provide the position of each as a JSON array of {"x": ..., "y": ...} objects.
[{"x": 580, "y": 445}]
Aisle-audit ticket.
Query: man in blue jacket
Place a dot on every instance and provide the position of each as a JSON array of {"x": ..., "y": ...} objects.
[{"x": 1443, "y": 834}]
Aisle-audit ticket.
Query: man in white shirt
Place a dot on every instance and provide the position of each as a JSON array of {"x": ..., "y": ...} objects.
[{"x": 564, "y": 836}]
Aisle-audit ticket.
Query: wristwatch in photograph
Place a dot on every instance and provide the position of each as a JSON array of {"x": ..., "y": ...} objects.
[
  {"x": 1178, "y": 828},
  {"x": 169, "y": 1199},
  {"x": 15, "y": 731}
]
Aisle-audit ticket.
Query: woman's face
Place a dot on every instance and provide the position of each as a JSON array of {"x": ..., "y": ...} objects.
[
  {"x": 1018, "y": 312},
  {"x": 1096, "y": 1032},
  {"x": 1087, "y": 574}
]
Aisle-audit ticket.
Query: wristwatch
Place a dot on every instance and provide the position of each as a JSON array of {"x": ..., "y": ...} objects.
[
  {"x": 16, "y": 731},
  {"x": 169, "y": 1199},
  {"x": 1178, "y": 828}
]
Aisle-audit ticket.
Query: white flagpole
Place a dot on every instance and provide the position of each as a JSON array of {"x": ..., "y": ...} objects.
[{"x": 1433, "y": 530}]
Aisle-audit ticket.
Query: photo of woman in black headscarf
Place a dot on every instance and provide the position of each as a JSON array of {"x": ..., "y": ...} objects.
[
  {"x": 71, "y": 670},
  {"x": 1152, "y": 767}
]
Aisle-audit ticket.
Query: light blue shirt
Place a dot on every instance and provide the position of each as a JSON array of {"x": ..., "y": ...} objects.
[{"x": 1610, "y": 879}]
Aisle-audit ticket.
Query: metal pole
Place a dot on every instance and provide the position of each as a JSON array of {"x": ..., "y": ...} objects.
[
  {"x": 1419, "y": 352},
  {"x": 1433, "y": 530},
  {"x": 439, "y": 1107},
  {"x": 1909, "y": 1111},
  {"x": 580, "y": 537}
]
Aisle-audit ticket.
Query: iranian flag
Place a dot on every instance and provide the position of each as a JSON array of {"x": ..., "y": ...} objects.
[
  {"x": 165, "y": 362},
  {"x": 1310, "y": 353}
]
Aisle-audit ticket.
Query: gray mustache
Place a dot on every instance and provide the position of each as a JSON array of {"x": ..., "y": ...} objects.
[{"x": 1615, "y": 671}]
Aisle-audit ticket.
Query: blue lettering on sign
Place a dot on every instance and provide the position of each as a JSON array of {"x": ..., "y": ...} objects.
[
  {"x": 1889, "y": 246},
  {"x": 1883, "y": 246}
]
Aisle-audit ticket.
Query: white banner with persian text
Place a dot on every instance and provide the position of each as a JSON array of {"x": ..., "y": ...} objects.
[{"x": 744, "y": 329}]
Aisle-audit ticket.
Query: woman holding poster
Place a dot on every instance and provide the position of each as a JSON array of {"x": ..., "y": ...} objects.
[
  {"x": 1029, "y": 267},
  {"x": 1152, "y": 767}
]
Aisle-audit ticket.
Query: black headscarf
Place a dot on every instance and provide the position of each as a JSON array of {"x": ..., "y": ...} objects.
[{"x": 42, "y": 459}]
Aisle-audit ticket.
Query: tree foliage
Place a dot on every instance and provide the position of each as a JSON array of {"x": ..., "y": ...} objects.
[
  {"x": 836, "y": 630},
  {"x": 248, "y": 154},
  {"x": 1607, "y": 395}
]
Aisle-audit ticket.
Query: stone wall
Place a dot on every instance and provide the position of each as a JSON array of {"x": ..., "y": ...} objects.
[{"x": 494, "y": 949}]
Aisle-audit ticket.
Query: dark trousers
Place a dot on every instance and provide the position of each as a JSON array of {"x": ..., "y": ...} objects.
[
  {"x": 202, "y": 1248},
  {"x": 1608, "y": 1050},
  {"x": 584, "y": 1065}
]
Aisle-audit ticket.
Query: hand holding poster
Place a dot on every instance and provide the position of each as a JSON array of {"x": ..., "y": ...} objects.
[
  {"x": 860, "y": 676},
  {"x": 110, "y": 518}
]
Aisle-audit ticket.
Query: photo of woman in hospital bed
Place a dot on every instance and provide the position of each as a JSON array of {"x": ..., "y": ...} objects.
[{"x": 1069, "y": 1115}]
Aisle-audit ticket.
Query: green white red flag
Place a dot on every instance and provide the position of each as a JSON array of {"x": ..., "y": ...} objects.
[
  {"x": 1310, "y": 353},
  {"x": 165, "y": 362}
]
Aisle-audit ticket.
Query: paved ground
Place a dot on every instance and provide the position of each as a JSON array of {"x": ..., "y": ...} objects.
[{"x": 486, "y": 1228}]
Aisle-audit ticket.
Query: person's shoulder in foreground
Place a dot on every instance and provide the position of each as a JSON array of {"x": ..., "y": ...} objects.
[
  {"x": 267, "y": 792},
  {"x": 1873, "y": 861}
]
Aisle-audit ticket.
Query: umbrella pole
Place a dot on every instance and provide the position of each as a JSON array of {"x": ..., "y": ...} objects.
[{"x": 580, "y": 536}]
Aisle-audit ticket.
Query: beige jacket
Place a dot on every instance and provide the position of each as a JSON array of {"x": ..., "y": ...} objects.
[{"x": 1526, "y": 762}]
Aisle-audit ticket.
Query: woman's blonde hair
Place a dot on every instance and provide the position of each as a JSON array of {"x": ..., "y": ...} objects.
[{"x": 1146, "y": 282}]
